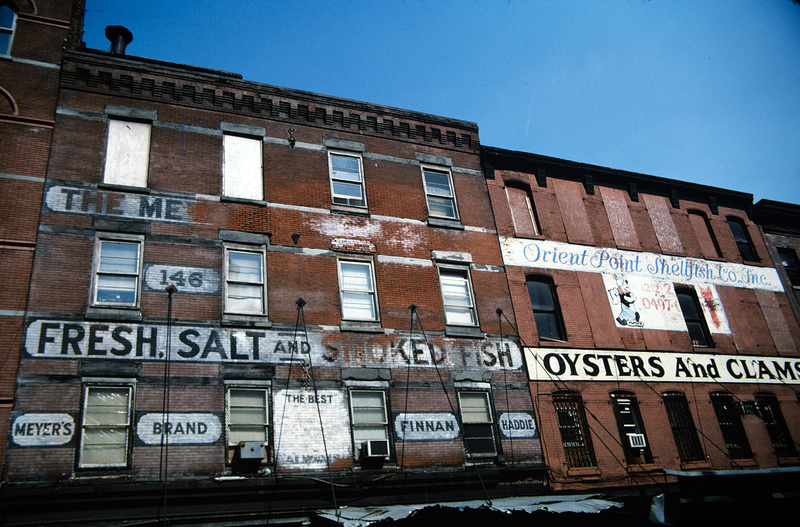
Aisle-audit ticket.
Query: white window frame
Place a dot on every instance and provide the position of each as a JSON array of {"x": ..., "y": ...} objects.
[
  {"x": 241, "y": 178},
  {"x": 490, "y": 423},
  {"x": 245, "y": 249},
  {"x": 466, "y": 278},
  {"x": 9, "y": 30},
  {"x": 430, "y": 193},
  {"x": 371, "y": 291},
  {"x": 358, "y": 439},
  {"x": 343, "y": 200},
  {"x": 98, "y": 273},
  {"x": 127, "y": 152},
  {"x": 266, "y": 424},
  {"x": 127, "y": 425}
]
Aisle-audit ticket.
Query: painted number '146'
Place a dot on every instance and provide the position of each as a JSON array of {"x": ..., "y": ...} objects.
[{"x": 194, "y": 279}]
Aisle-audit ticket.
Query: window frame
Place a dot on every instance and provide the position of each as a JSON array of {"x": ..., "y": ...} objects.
[
  {"x": 430, "y": 194},
  {"x": 708, "y": 230},
  {"x": 731, "y": 426},
  {"x": 372, "y": 291},
  {"x": 97, "y": 273},
  {"x": 531, "y": 211},
  {"x": 743, "y": 240},
  {"x": 556, "y": 313},
  {"x": 128, "y": 425},
  {"x": 683, "y": 428},
  {"x": 345, "y": 201},
  {"x": 244, "y": 249},
  {"x": 119, "y": 148},
  {"x": 571, "y": 416},
  {"x": 10, "y": 30},
  {"x": 625, "y": 403},
  {"x": 472, "y": 307},
  {"x": 491, "y": 423},
  {"x": 231, "y": 446},
  {"x": 779, "y": 434},
  {"x": 700, "y": 322},
  {"x": 384, "y": 425},
  {"x": 232, "y": 182},
  {"x": 789, "y": 254}
]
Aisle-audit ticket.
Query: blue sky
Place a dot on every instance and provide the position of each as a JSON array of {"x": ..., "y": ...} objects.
[{"x": 700, "y": 91}]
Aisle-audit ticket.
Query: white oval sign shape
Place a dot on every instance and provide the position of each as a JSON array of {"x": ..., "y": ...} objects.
[
  {"x": 179, "y": 429},
  {"x": 516, "y": 425},
  {"x": 426, "y": 427},
  {"x": 43, "y": 429}
]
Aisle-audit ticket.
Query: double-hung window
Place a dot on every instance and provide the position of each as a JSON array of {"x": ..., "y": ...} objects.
[
  {"x": 245, "y": 281},
  {"x": 575, "y": 433},
  {"x": 347, "y": 179},
  {"x": 742, "y": 238},
  {"x": 357, "y": 291},
  {"x": 546, "y": 309},
  {"x": 478, "y": 421},
  {"x": 439, "y": 193},
  {"x": 631, "y": 428},
  {"x": 457, "y": 297},
  {"x": 370, "y": 423},
  {"x": 683, "y": 429},
  {"x": 118, "y": 265},
  {"x": 127, "y": 152},
  {"x": 8, "y": 23},
  {"x": 247, "y": 416},
  {"x": 730, "y": 424},
  {"x": 106, "y": 426},
  {"x": 242, "y": 164},
  {"x": 694, "y": 318}
]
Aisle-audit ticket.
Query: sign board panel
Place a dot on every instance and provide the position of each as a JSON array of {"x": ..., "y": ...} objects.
[
  {"x": 432, "y": 426},
  {"x": 42, "y": 429},
  {"x": 178, "y": 428}
]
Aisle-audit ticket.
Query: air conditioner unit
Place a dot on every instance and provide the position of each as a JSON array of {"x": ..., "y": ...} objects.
[
  {"x": 251, "y": 450},
  {"x": 637, "y": 440},
  {"x": 375, "y": 448}
]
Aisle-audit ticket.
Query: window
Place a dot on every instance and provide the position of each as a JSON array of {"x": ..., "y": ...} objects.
[
  {"x": 631, "y": 428},
  {"x": 8, "y": 22},
  {"x": 459, "y": 305},
  {"x": 478, "y": 422},
  {"x": 693, "y": 315},
  {"x": 439, "y": 193},
  {"x": 770, "y": 412},
  {"x": 704, "y": 233},
  {"x": 242, "y": 167},
  {"x": 683, "y": 429},
  {"x": 347, "y": 181},
  {"x": 127, "y": 153},
  {"x": 522, "y": 212},
  {"x": 730, "y": 423},
  {"x": 245, "y": 291},
  {"x": 118, "y": 266},
  {"x": 247, "y": 417},
  {"x": 791, "y": 265},
  {"x": 546, "y": 310},
  {"x": 357, "y": 291},
  {"x": 370, "y": 423},
  {"x": 105, "y": 429},
  {"x": 575, "y": 433},
  {"x": 742, "y": 238}
]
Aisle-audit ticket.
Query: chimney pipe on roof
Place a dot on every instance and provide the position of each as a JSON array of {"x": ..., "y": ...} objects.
[{"x": 119, "y": 37}]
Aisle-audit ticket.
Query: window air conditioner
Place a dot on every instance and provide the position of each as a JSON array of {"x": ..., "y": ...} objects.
[
  {"x": 637, "y": 440},
  {"x": 375, "y": 448},
  {"x": 251, "y": 450}
]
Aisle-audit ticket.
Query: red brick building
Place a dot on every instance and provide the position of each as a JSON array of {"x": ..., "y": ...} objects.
[
  {"x": 781, "y": 228},
  {"x": 658, "y": 334},
  {"x": 244, "y": 290}
]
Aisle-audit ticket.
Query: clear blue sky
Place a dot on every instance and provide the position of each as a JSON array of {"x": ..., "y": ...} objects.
[{"x": 703, "y": 91}]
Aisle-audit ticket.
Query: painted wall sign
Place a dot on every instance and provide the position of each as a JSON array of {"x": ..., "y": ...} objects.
[
  {"x": 193, "y": 280},
  {"x": 299, "y": 444},
  {"x": 179, "y": 428},
  {"x": 547, "y": 364},
  {"x": 80, "y": 200},
  {"x": 434, "y": 426},
  {"x": 517, "y": 425},
  {"x": 546, "y": 254},
  {"x": 42, "y": 429},
  {"x": 642, "y": 302},
  {"x": 72, "y": 340}
]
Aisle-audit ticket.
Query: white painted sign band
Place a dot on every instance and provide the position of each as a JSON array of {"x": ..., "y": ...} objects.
[
  {"x": 179, "y": 428},
  {"x": 41, "y": 429}
]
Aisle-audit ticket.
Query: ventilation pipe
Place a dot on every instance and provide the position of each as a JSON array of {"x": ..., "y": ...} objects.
[{"x": 120, "y": 37}]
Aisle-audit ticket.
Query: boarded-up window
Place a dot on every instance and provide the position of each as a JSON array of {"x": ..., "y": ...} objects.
[
  {"x": 522, "y": 211},
  {"x": 660, "y": 217},
  {"x": 242, "y": 174},
  {"x": 127, "y": 153},
  {"x": 705, "y": 234}
]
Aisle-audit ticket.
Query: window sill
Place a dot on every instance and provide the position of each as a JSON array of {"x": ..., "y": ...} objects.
[
  {"x": 114, "y": 313},
  {"x": 641, "y": 468},
  {"x": 245, "y": 201},
  {"x": 548, "y": 343},
  {"x": 364, "y": 327},
  {"x": 343, "y": 209},
  {"x": 464, "y": 331},
  {"x": 744, "y": 463},
  {"x": 123, "y": 188},
  {"x": 695, "y": 465},
  {"x": 257, "y": 321},
  {"x": 583, "y": 471},
  {"x": 788, "y": 461},
  {"x": 447, "y": 224}
]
